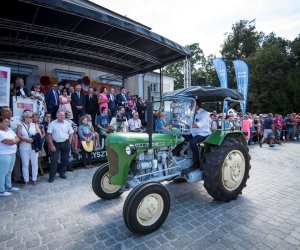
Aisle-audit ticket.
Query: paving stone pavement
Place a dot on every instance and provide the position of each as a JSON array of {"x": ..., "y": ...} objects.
[{"x": 68, "y": 215}]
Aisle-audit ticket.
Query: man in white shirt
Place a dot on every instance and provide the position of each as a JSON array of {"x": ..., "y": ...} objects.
[
  {"x": 59, "y": 136},
  {"x": 135, "y": 123},
  {"x": 112, "y": 104},
  {"x": 200, "y": 131}
]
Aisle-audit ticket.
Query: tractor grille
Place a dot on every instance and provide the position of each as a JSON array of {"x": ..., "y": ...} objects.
[{"x": 113, "y": 161}]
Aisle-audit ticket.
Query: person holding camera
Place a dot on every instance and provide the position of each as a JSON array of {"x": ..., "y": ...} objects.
[
  {"x": 25, "y": 131},
  {"x": 119, "y": 122},
  {"x": 135, "y": 123}
]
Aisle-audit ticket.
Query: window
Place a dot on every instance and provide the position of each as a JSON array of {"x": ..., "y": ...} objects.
[
  {"x": 68, "y": 75},
  {"x": 154, "y": 87}
]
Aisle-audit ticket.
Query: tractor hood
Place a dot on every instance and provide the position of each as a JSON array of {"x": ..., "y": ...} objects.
[
  {"x": 119, "y": 159},
  {"x": 140, "y": 140}
]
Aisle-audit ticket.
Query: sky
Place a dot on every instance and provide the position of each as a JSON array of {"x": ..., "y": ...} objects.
[{"x": 206, "y": 21}]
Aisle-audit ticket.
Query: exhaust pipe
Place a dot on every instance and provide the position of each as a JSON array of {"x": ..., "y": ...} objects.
[{"x": 149, "y": 110}]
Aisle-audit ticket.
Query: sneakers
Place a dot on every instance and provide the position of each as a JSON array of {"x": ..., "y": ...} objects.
[
  {"x": 272, "y": 145},
  {"x": 5, "y": 194},
  {"x": 13, "y": 189},
  {"x": 260, "y": 144}
]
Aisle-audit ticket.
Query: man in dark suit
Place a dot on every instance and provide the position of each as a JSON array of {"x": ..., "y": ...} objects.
[
  {"x": 20, "y": 89},
  {"x": 78, "y": 104},
  {"x": 121, "y": 100},
  {"x": 91, "y": 104},
  {"x": 141, "y": 108},
  {"x": 112, "y": 105},
  {"x": 60, "y": 88},
  {"x": 52, "y": 101}
]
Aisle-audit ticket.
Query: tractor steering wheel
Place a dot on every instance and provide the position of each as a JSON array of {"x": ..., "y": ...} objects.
[{"x": 176, "y": 123}]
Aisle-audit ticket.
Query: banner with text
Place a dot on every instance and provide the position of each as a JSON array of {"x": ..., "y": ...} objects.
[
  {"x": 4, "y": 86},
  {"x": 20, "y": 104},
  {"x": 242, "y": 79},
  {"x": 221, "y": 70}
]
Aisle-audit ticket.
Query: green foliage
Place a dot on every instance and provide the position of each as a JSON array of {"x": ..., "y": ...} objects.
[
  {"x": 242, "y": 41},
  {"x": 269, "y": 66},
  {"x": 198, "y": 64},
  {"x": 274, "y": 63}
]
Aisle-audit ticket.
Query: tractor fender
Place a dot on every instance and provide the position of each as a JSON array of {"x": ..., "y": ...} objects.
[{"x": 217, "y": 137}]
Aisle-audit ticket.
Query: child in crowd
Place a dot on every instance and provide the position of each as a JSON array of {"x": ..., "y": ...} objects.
[
  {"x": 45, "y": 123},
  {"x": 96, "y": 135},
  {"x": 42, "y": 153},
  {"x": 102, "y": 123},
  {"x": 85, "y": 134}
]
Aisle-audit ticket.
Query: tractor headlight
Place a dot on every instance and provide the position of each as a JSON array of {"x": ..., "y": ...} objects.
[{"x": 130, "y": 150}]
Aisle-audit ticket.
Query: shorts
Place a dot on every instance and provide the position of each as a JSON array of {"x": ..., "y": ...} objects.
[{"x": 268, "y": 133}]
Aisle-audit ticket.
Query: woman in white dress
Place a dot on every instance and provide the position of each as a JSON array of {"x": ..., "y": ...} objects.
[{"x": 41, "y": 104}]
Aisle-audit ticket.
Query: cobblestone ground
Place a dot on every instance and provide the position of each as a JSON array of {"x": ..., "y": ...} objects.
[{"x": 68, "y": 215}]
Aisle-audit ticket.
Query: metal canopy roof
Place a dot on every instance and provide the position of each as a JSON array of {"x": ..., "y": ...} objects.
[
  {"x": 205, "y": 93},
  {"x": 80, "y": 33}
]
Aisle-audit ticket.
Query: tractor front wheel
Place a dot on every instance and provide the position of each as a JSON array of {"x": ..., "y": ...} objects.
[
  {"x": 101, "y": 185},
  {"x": 146, "y": 208}
]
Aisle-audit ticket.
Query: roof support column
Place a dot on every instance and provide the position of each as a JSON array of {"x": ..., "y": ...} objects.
[
  {"x": 141, "y": 85},
  {"x": 161, "y": 83},
  {"x": 187, "y": 80}
]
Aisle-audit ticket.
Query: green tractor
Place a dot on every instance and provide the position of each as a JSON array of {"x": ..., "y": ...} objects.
[{"x": 140, "y": 161}]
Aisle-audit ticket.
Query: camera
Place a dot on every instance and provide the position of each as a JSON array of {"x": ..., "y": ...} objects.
[{"x": 120, "y": 119}]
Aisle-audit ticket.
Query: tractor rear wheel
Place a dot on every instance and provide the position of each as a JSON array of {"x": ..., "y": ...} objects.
[{"x": 226, "y": 169}]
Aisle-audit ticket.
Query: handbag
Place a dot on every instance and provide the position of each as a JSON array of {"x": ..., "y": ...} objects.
[
  {"x": 37, "y": 140},
  {"x": 42, "y": 152}
]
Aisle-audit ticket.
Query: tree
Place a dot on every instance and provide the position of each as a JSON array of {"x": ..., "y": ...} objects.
[
  {"x": 293, "y": 77},
  {"x": 242, "y": 41},
  {"x": 198, "y": 64},
  {"x": 210, "y": 72},
  {"x": 269, "y": 64}
]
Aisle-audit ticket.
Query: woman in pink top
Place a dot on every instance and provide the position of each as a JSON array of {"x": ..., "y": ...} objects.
[
  {"x": 247, "y": 124},
  {"x": 131, "y": 103},
  {"x": 102, "y": 99},
  {"x": 64, "y": 102}
]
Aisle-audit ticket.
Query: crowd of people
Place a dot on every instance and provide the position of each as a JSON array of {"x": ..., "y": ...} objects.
[
  {"x": 273, "y": 129},
  {"x": 67, "y": 123}
]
